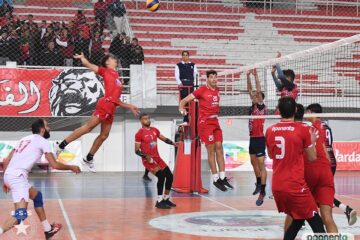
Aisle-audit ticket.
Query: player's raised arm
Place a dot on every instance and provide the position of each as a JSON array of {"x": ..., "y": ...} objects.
[
  {"x": 166, "y": 140},
  {"x": 59, "y": 166},
  {"x": 183, "y": 103},
  {"x": 134, "y": 109},
  {"x": 86, "y": 62},
  {"x": 249, "y": 85}
]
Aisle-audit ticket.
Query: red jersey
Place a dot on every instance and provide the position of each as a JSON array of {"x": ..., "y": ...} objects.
[
  {"x": 112, "y": 84},
  {"x": 329, "y": 143},
  {"x": 86, "y": 30},
  {"x": 286, "y": 141},
  {"x": 147, "y": 137},
  {"x": 293, "y": 93},
  {"x": 256, "y": 126},
  {"x": 209, "y": 100},
  {"x": 321, "y": 157}
]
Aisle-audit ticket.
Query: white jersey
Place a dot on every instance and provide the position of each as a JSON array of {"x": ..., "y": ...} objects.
[{"x": 27, "y": 152}]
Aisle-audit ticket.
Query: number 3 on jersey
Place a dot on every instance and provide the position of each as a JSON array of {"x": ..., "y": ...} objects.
[{"x": 281, "y": 145}]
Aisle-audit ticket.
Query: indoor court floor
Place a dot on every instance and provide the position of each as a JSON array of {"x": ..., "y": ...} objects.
[{"x": 121, "y": 206}]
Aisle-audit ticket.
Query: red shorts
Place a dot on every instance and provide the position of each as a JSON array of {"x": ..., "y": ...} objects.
[
  {"x": 320, "y": 180},
  {"x": 158, "y": 162},
  {"x": 105, "y": 110},
  {"x": 299, "y": 205},
  {"x": 210, "y": 131}
]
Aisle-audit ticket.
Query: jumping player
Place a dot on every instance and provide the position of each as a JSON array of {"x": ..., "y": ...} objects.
[
  {"x": 209, "y": 129},
  {"x": 284, "y": 81},
  {"x": 257, "y": 139},
  {"x": 105, "y": 108},
  {"x": 286, "y": 142},
  {"x": 17, "y": 167},
  {"x": 324, "y": 161},
  {"x": 146, "y": 148}
]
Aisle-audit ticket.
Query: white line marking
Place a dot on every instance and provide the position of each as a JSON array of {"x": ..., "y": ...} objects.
[
  {"x": 67, "y": 220},
  {"x": 220, "y": 203}
]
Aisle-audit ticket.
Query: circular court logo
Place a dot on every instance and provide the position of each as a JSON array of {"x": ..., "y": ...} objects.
[{"x": 246, "y": 224}]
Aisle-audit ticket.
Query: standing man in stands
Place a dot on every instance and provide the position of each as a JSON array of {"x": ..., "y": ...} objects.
[{"x": 185, "y": 74}]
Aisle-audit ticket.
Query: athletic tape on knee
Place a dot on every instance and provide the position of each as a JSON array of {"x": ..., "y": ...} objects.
[
  {"x": 38, "y": 200},
  {"x": 21, "y": 214}
]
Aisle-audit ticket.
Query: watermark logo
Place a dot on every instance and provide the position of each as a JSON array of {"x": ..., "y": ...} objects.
[{"x": 327, "y": 236}]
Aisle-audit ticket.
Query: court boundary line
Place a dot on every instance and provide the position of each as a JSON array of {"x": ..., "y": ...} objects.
[
  {"x": 66, "y": 217},
  {"x": 215, "y": 201}
]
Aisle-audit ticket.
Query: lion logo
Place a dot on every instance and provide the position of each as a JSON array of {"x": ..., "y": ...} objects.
[{"x": 75, "y": 92}]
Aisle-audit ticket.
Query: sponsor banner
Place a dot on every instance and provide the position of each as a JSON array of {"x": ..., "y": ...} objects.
[
  {"x": 237, "y": 158},
  {"x": 72, "y": 155},
  {"x": 347, "y": 155},
  {"x": 44, "y": 92}
]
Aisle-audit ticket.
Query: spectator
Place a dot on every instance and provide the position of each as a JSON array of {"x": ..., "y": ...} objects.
[
  {"x": 14, "y": 46},
  {"x": 100, "y": 9},
  {"x": 137, "y": 52},
  {"x": 8, "y": 1},
  {"x": 118, "y": 11},
  {"x": 97, "y": 52},
  {"x": 96, "y": 27},
  {"x": 117, "y": 45},
  {"x": 43, "y": 29},
  {"x": 80, "y": 46},
  {"x": 79, "y": 15},
  {"x": 4, "y": 47},
  {"x": 66, "y": 47},
  {"x": 31, "y": 22},
  {"x": 84, "y": 28},
  {"x": 125, "y": 59},
  {"x": 25, "y": 52},
  {"x": 5, "y": 8},
  {"x": 51, "y": 56}
]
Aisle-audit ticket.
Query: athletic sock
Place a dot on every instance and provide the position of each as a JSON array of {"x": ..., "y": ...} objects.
[
  {"x": 258, "y": 181},
  {"x": 63, "y": 144},
  {"x": 166, "y": 197},
  {"x": 1, "y": 231},
  {"x": 222, "y": 175},
  {"x": 343, "y": 207},
  {"x": 46, "y": 225},
  {"x": 89, "y": 157},
  {"x": 160, "y": 198},
  {"x": 215, "y": 177},
  {"x": 263, "y": 186}
]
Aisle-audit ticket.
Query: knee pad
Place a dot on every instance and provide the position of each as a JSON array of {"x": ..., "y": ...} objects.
[
  {"x": 21, "y": 214},
  {"x": 38, "y": 200}
]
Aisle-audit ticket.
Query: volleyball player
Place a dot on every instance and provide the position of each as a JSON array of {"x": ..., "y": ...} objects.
[
  {"x": 257, "y": 139},
  {"x": 210, "y": 132},
  {"x": 286, "y": 142},
  {"x": 105, "y": 108},
  {"x": 330, "y": 163},
  {"x": 17, "y": 167},
  {"x": 146, "y": 148},
  {"x": 284, "y": 81}
]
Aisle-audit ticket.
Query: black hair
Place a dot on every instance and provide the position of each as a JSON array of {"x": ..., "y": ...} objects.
[
  {"x": 182, "y": 53},
  {"x": 315, "y": 108},
  {"x": 106, "y": 57},
  {"x": 143, "y": 115},
  {"x": 287, "y": 107},
  {"x": 263, "y": 95},
  {"x": 37, "y": 125},
  {"x": 210, "y": 72},
  {"x": 135, "y": 39},
  {"x": 289, "y": 73},
  {"x": 299, "y": 114}
]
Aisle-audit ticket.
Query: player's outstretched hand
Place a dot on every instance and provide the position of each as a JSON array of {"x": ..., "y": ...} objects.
[
  {"x": 134, "y": 109},
  {"x": 176, "y": 144},
  {"x": 5, "y": 189},
  {"x": 149, "y": 159},
  {"x": 75, "y": 169},
  {"x": 79, "y": 56},
  {"x": 182, "y": 111}
]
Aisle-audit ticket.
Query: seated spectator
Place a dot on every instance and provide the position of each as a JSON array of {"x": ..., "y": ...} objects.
[
  {"x": 51, "y": 56},
  {"x": 4, "y": 47},
  {"x": 100, "y": 10},
  {"x": 137, "y": 52},
  {"x": 97, "y": 52},
  {"x": 6, "y": 8}
]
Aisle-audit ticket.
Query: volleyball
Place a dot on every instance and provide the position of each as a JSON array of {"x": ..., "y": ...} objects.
[{"x": 152, "y": 5}]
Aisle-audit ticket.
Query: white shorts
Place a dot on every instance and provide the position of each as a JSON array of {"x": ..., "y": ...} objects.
[{"x": 19, "y": 187}]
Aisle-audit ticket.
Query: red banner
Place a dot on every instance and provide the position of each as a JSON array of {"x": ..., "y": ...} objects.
[
  {"x": 44, "y": 92},
  {"x": 347, "y": 155}
]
